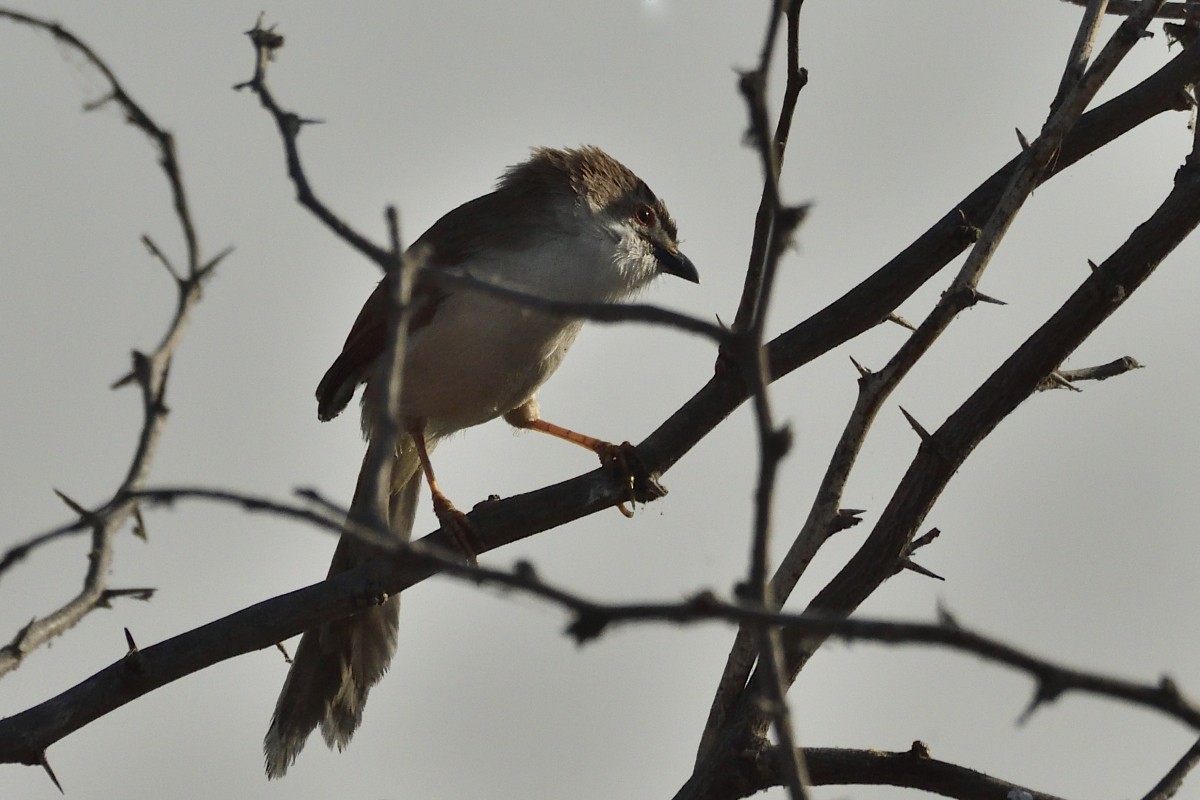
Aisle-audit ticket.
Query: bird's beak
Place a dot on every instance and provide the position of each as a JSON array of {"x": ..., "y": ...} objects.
[{"x": 673, "y": 262}]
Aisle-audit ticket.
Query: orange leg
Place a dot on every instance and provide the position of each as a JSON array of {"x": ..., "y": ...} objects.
[
  {"x": 454, "y": 523},
  {"x": 597, "y": 446},
  {"x": 618, "y": 456}
]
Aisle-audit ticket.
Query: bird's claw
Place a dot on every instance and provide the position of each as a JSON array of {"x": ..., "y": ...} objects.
[
  {"x": 457, "y": 529},
  {"x": 640, "y": 485}
]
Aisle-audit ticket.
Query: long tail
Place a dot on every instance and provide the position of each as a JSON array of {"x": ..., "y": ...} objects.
[{"x": 337, "y": 664}]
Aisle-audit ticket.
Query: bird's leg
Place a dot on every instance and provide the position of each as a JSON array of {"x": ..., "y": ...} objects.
[
  {"x": 454, "y": 523},
  {"x": 620, "y": 458}
]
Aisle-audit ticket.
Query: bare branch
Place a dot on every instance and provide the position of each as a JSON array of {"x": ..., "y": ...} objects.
[
  {"x": 778, "y": 225},
  {"x": 1065, "y": 378},
  {"x": 1126, "y": 7},
  {"x": 1027, "y": 170},
  {"x": 753, "y": 85},
  {"x": 1081, "y": 53},
  {"x": 593, "y": 312},
  {"x": 1170, "y": 783},
  {"x": 914, "y": 768},
  {"x": 948, "y": 447},
  {"x": 266, "y": 43},
  {"x": 24, "y": 737},
  {"x": 150, "y": 373}
]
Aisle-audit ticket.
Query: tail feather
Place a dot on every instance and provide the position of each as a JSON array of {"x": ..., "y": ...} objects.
[{"x": 336, "y": 665}]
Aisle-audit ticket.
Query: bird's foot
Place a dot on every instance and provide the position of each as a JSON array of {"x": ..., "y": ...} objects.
[
  {"x": 457, "y": 528},
  {"x": 624, "y": 462}
]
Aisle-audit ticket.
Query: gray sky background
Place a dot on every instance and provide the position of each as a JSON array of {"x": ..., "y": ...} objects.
[{"x": 1068, "y": 533}]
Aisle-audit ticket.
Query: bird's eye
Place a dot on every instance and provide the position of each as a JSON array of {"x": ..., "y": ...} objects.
[{"x": 644, "y": 215}]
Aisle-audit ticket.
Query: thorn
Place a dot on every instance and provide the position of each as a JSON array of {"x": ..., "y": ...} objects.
[
  {"x": 99, "y": 102},
  {"x": 141, "y": 593},
  {"x": 1093, "y": 265},
  {"x": 1021, "y": 138},
  {"x": 282, "y": 649},
  {"x": 19, "y": 639},
  {"x": 925, "y": 539},
  {"x": 901, "y": 321},
  {"x": 162, "y": 258},
  {"x": 139, "y": 524},
  {"x": 863, "y": 372},
  {"x": 84, "y": 513},
  {"x": 983, "y": 298},
  {"x": 208, "y": 268},
  {"x": 46, "y": 766},
  {"x": 919, "y": 750},
  {"x": 524, "y": 570},
  {"x": 133, "y": 656},
  {"x": 1168, "y": 687},
  {"x": 1045, "y": 693},
  {"x": 909, "y": 564},
  {"x": 946, "y": 619},
  {"x": 916, "y": 426},
  {"x": 845, "y": 518},
  {"x": 790, "y": 217},
  {"x": 139, "y": 373}
]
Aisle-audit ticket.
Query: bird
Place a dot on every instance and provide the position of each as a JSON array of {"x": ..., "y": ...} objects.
[{"x": 570, "y": 224}]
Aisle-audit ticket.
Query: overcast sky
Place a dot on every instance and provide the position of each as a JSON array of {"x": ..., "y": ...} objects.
[{"x": 1068, "y": 532}]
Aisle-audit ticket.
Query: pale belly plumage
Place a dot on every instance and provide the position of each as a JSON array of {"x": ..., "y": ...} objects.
[{"x": 509, "y": 352}]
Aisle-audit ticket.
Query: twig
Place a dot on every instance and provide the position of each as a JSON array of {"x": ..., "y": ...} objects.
[
  {"x": 1170, "y": 783},
  {"x": 266, "y": 43},
  {"x": 1065, "y": 378},
  {"x": 914, "y": 768},
  {"x": 1126, "y": 7},
  {"x": 772, "y": 153},
  {"x": 593, "y": 312},
  {"x": 150, "y": 372},
  {"x": 25, "y": 736},
  {"x": 746, "y": 348},
  {"x": 1081, "y": 50},
  {"x": 1030, "y": 169}
]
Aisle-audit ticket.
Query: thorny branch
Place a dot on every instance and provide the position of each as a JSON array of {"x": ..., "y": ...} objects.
[
  {"x": 508, "y": 520},
  {"x": 914, "y": 768},
  {"x": 1077, "y": 89},
  {"x": 1067, "y": 378},
  {"x": 1182, "y": 10},
  {"x": 267, "y": 43},
  {"x": 874, "y": 391},
  {"x": 776, "y": 226},
  {"x": 149, "y": 374},
  {"x": 1170, "y": 783},
  {"x": 281, "y": 617}
]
